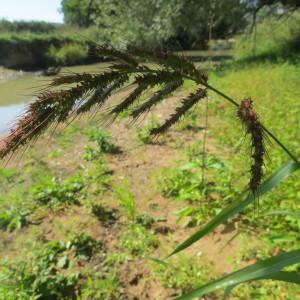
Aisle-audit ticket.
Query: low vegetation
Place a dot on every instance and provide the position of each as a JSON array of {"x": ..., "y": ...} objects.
[{"x": 93, "y": 221}]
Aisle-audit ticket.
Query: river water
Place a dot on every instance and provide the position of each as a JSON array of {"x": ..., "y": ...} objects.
[{"x": 17, "y": 88}]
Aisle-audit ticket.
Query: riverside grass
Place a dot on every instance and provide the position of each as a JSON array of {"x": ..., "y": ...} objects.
[{"x": 54, "y": 107}]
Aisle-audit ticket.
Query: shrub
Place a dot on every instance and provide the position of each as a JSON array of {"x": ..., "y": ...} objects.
[{"x": 68, "y": 54}]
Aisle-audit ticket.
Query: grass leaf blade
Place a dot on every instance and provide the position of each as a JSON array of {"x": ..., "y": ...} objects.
[
  {"x": 267, "y": 269},
  {"x": 236, "y": 207}
]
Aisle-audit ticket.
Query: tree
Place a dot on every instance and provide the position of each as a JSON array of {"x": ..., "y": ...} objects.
[
  {"x": 182, "y": 24},
  {"x": 79, "y": 12}
]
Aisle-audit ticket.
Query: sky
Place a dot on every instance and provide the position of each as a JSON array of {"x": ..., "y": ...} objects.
[{"x": 41, "y": 10}]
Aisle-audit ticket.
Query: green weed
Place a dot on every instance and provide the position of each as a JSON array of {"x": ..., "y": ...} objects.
[
  {"x": 145, "y": 220},
  {"x": 53, "y": 192},
  {"x": 103, "y": 142},
  {"x": 13, "y": 218},
  {"x": 189, "y": 121},
  {"x": 183, "y": 273},
  {"x": 40, "y": 276},
  {"x": 99, "y": 287},
  {"x": 84, "y": 246},
  {"x": 105, "y": 215},
  {"x": 207, "y": 194},
  {"x": 7, "y": 175},
  {"x": 138, "y": 241},
  {"x": 126, "y": 199},
  {"x": 143, "y": 134}
]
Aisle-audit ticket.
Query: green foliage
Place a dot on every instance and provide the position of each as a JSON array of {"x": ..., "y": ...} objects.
[
  {"x": 40, "y": 276},
  {"x": 84, "y": 246},
  {"x": 126, "y": 199},
  {"x": 13, "y": 218},
  {"x": 103, "y": 142},
  {"x": 185, "y": 183},
  {"x": 7, "y": 175},
  {"x": 151, "y": 24},
  {"x": 189, "y": 121},
  {"x": 80, "y": 12},
  {"x": 68, "y": 54},
  {"x": 144, "y": 133},
  {"x": 49, "y": 271},
  {"x": 183, "y": 273},
  {"x": 138, "y": 241},
  {"x": 145, "y": 220},
  {"x": 31, "y": 26},
  {"x": 97, "y": 287},
  {"x": 272, "y": 40},
  {"x": 53, "y": 192},
  {"x": 33, "y": 50}
]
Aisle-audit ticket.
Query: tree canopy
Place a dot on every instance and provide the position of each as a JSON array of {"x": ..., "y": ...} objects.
[{"x": 178, "y": 24}]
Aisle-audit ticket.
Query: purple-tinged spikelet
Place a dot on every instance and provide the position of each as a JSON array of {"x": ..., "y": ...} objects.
[{"x": 253, "y": 127}]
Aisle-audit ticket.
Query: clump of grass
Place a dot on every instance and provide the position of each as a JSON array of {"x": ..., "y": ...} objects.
[
  {"x": 104, "y": 283},
  {"x": 145, "y": 220}
]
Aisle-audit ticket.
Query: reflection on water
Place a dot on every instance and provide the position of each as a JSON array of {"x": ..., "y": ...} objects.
[
  {"x": 8, "y": 114},
  {"x": 17, "y": 88}
]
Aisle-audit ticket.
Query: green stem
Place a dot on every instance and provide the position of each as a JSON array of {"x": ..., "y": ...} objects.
[{"x": 265, "y": 129}]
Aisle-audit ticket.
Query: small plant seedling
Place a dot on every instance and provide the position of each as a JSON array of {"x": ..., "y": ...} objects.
[
  {"x": 126, "y": 199},
  {"x": 13, "y": 218},
  {"x": 144, "y": 133},
  {"x": 138, "y": 241},
  {"x": 53, "y": 192}
]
